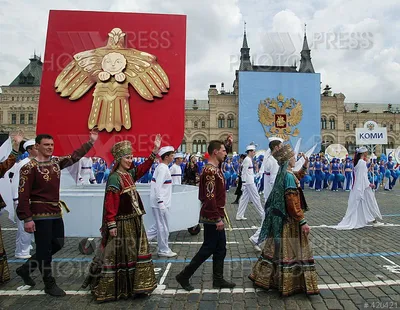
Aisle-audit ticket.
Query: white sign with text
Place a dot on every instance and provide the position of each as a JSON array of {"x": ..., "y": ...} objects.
[{"x": 371, "y": 133}]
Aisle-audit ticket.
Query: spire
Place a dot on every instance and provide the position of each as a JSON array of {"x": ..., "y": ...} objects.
[
  {"x": 245, "y": 64},
  {"x": 305, "y": 61},
  {"x": 244, "y": 45}
]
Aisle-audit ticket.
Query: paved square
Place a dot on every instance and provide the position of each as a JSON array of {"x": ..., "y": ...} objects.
[{"x": 357, "y": 269}]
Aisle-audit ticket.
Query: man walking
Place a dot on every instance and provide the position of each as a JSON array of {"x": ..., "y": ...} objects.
[{"x": 212, "y": 195}]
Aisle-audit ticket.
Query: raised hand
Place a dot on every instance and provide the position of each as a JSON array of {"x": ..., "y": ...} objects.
[
  {"x": 157, "y": 144},
  {"x": 17, "y": 137},
  {"x": 94, "y": 135}
]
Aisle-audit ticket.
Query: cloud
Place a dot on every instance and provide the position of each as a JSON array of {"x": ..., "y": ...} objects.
[{"x": 354, "y": 45}]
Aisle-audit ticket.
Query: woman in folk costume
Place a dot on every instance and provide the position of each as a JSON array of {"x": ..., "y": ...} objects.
[
  {"x": 362, "y": 206},
  {"x": 123, "y": 266},
  {"x": 191, "y": 171},
  {"x": 4, "y": 167},
  {"x": 286, "y": 262}
]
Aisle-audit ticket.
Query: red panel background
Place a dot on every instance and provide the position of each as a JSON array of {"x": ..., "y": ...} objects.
[{"x": 70, "y": 32}]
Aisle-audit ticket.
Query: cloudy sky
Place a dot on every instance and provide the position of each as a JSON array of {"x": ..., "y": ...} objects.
[{"x": 355, "y": 44}]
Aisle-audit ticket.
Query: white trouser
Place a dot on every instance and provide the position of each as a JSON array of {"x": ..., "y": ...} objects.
[
  {"x": 267, "y": 186},
  {"x": 160, "y": 230},
  {"x": 254, "y": 237},
  {"x": 23, "y": 240},
  {"x": 249, "y": 193}
]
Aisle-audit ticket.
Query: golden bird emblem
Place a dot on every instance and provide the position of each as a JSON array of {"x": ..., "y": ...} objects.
[
  {"x": 288, "y": 113},
  {"x": 112, "y": 68}
]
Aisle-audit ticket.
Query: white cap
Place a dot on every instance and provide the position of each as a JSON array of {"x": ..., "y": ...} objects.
[
  {"x": 275, "y": 139},
  {"x": 166, "y": 149},
  {"x": 362, "y": 149},
  {"x": 198, "y": 154},
  {"x": 29, "y": 143},
  {"x": 251, "y": 147},
  {"x": 178, "y": 155}
]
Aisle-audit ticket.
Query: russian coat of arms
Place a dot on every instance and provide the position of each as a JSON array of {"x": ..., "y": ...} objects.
[
  {"x": 371, "y": 126},
  {"x": 288, "y": 114}
]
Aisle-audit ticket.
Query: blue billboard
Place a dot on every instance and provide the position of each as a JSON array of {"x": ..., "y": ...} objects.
[{"x": 279, "y": 104}]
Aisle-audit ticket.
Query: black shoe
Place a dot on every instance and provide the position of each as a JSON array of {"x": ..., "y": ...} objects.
[
  {"x": 51, "y": 288},
  {"x": 24, "y": 274},
  {"x": 235, "y": 202},
  {"x": 222, "y": 283},
  {"x": 184, "y": 283}
]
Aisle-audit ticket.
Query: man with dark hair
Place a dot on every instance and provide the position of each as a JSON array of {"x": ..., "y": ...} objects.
[
  {"x": 160, "y": 201},
  {"x": 39, "y": 207},
  {"x": 239, "y": 191},
  {"x": 212, "y": 195}
]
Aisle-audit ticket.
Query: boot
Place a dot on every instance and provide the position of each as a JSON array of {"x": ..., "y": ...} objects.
[
  {"x": 51, "y": 288},
  {"x": 218, "y": 276},
  {"x": 183, "y": 277},
  {"x": 23, "y": 272}
]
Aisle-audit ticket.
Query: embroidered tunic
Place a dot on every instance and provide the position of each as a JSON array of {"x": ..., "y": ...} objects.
[
  {"x": 212, "y": 194},
  {"x": 39, "y": 186}
]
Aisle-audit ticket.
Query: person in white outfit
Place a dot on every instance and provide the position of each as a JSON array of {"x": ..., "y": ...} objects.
[
  {"x": 23, "y": 241},
  {"x": 175, "y": 170},
  {"x": 362, "y": 206},
  {"x": 160, "y": 201},
  {"x": 270, "y": 166},
  {"x": 85, "y": 171},
  {"x": 270, "y": 170}
]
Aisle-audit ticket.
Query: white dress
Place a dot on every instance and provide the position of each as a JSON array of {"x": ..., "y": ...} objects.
[{"x": 362, "y": 206}]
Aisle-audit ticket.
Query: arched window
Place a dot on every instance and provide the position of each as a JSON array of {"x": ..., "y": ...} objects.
[
  {"x": 354, "y": 126},
  {"x": 196, "y": 124},
  {"x": 203, "y": 124},
  {"x": 203, "y": 146},
  {"x": 350, "y": 146},
  {"x": 391, "y": 127},
  {"x": 332, "y": 124},
  {"x": 221, "y": 121},
  {"x": 347, "y": 126},
  {"x": 323, "y": 123},
  {"x": 195, "y": 146},
  {"x": 231, "y": 121},
  {"x": 182, "y": 147}
]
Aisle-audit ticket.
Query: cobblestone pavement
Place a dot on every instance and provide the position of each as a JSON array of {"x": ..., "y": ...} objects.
[{"x": 357, "y": 269}]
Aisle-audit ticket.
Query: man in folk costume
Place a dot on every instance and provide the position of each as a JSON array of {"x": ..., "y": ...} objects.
[
  {"x": 362, "y": 206},
  {"x": 123, "y": 266},
  {"x": 286, "y": 262},
  {"x": 249, "y": 188},
  {"x": 39, "y": 207},
  {"x": 270, "y": 166},
  {"x": 160, "y": 201},
  {"x": 176, "y": 170},
  {"x": 212, "y": 195},
  {"x": 23, "y": 239},
  {"x": 4, "y": 167}
]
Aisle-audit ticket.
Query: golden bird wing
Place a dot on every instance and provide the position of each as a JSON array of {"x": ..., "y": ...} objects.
[
  {"x": 265, "y": 115},
  {"x": 295, "y": 115},
  {"x": 145, "y": 74},
  {"x": 80, "y": 74}
]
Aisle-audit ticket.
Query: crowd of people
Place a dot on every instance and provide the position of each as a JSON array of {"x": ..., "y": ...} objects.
[{"x": 123, "y": 265}]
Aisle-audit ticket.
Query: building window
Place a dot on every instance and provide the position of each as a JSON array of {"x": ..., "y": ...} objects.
[
  {"x": 221, "y": 121},
  {"x": 33, "y": 98},
  {"x": 323, "y": 123},
  {"x": 12, "y": 98},
  {"x": 332, "y": 123},
  {"x": 195, "y": 146},
  {"x": 384, "y": 125},
  {"x": 350, "y": 146},
  {"x": 196, "y": 124},
  {"x": 182, "y": 147},
  {"x": 347, "y": 127},
  {"x": 22, "y": 119},
  {"x": 30, "y": 119},
  {"x": 203, "y": 146},
  {"x": 13, "y": 119},
  {"x": 391, "y": 127},
  {"x": 354, "y": 126},
  {"x": 231, "y": 121},
  {"x": 203, "y": 124}
]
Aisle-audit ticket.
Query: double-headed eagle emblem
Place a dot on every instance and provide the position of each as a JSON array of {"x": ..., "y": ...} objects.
[
  {"x": 112, "y": 68},
  {"x": 288, "y": 113}
]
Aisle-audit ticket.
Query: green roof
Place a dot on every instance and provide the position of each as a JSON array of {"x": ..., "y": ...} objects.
[{"x": 31, "y": 75}]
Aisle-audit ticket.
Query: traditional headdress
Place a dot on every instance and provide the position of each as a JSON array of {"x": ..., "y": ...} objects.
[
  {"x": 362, "y": 149},
  {"x": 121, "y": 149},
  {"x": 284, "y": 154}
]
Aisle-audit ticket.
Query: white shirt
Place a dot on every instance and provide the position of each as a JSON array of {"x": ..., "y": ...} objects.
[
  {"x": 161, "y": 187},
  {"x": 271, "y": 169},
  {"x": 247, "y": 171},
  {"x": 176, "y": 174}
]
